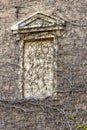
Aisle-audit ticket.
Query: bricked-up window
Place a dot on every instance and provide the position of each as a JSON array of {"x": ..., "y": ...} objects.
[
  {"x": 38, "y": 40},
  {"x": 39, "y": 68}
]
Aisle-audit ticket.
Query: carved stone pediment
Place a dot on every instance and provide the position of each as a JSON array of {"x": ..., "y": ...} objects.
[{"x": 38, "y": 22}]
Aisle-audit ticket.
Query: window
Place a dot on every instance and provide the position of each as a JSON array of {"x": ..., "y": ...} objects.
[{"x": 38, "y": 41}]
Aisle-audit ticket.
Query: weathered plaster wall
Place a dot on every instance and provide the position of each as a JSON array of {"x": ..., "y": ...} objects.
[{"x": 72, "y": 65}]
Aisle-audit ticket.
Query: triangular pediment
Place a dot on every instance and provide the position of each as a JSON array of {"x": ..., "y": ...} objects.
[{"x": 37, "y": 20}]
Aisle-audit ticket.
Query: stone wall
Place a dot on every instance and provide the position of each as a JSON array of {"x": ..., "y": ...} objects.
[{"x": 71, "y": 74}]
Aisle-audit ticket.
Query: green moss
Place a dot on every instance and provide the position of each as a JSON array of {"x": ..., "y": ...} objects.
[
  {"x": 71, "y": 117},
  {"x": 82, "y": 127}
]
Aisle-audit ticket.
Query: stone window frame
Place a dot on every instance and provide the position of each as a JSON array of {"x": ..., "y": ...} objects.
[{"x": 23, "y": 34}]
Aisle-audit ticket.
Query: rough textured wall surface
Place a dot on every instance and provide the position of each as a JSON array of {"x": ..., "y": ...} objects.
[
  {"x": 69, "y": 109},
  {"x": 39, "y": 66}
]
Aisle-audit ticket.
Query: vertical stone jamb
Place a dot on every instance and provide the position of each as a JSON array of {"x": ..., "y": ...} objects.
[{"x": 21, "y": 71}]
